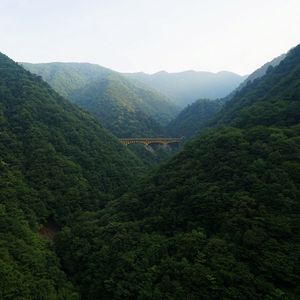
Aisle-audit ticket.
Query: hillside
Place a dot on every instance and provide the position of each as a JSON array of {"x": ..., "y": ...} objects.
[
  {"x": 269, "y": 100},
  {"x": 120, "y": 105},
  {"x": 55, "y": 160},
  {"x": 194, "y": 117},
  {"x": 186, "y": 87},
  {"x": 203, "y": 113},
  {"x": 219, "y": 221},
  {"x": 260, "y": 72}
]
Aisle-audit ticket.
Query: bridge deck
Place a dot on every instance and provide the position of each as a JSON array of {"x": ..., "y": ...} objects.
[{"x": 147, "y": 141}]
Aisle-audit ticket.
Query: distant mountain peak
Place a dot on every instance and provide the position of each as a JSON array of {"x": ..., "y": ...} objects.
[{"x": 187, "y": 86}]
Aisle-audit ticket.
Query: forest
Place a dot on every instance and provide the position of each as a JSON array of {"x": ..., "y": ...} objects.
[{"x": 84, "y": 217}]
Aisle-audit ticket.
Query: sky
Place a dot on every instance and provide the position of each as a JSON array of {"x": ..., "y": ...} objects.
[{"x": 151, "y": 35}]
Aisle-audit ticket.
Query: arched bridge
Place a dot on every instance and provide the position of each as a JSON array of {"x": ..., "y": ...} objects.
[{"x": 148, "y": 141}]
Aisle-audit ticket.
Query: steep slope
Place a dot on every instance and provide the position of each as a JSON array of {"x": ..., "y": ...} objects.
[
  {"x": 202, "y": 114},
  {"x": 120, "y": 108},
  {"x": 260, "y": 72},
  {"x": 272, "y": 99},
  {"x": 198, "y": 115},
  {"x": 186, "y": 87},
  {"x": 120, "y": 105},
  {"x": 194, "y": 117},
  {"x": 55, "y": 160},
  {"x": 221, "y": 220},
  {"x": 36, "y": 123},
  {"x": 67, "y": 77}
]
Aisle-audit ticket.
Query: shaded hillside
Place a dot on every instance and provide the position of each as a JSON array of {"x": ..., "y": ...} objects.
[
  {"x": 55, "y": 160},
  {"x": 260, "y": 72},
  {"x": 203, "y": 114},
  {"x": 67, "y": 77},
  {"x": 272, "y": 99},
  {"x": 219, "y": 221},
  {"x": 186, "y": 87},
  {"x": 194, "y": 117},
  {"x": 120, "y": 105}
]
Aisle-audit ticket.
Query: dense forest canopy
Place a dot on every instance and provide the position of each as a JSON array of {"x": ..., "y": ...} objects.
[
  {"x": 200, "y": 115},
  {"x": 260, "y": 72},
  {"x": 126, "y": 108},
  {"x": 55, "y": 160},
  {"x": 220, "y": 220},
  {"x": 122, "y": 106},
  {"x": 194, "y": 117},
  {"x": 270, "y": 100}
]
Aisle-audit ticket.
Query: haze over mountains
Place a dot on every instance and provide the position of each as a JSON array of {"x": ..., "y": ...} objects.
[
  {"x": 82, "y": 217},
  {"x": 186, "y": 87},
  {"x": 120, "y": 105},
  {"x": 263, "y": 70},
  {"x": 131, "y": 108},
  {"x": 218, "y": 221},
  {"x": 128, "y": 104},
  {"x": 200, "y": 114}
]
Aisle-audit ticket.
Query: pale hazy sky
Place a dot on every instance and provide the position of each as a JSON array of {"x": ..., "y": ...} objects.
[{"x": 151, "y": 35}]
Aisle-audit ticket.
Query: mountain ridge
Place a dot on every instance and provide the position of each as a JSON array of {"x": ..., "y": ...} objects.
[
  {"x": 218, "y": 221},
  {"x": 195, "y": 115},
  {"x": 126, "y": 104},
  {"x": 187, "y": 86}
]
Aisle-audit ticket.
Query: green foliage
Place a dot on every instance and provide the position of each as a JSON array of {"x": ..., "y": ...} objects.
[
  {"x": 194, "y": 117},
  {"x": 125, "y": 108},
  {"x": 155, "y": 154},
  {"x": 260, "y": 72},
  {"x": 29, "y": 269},
  {"x": 218, "y": 221},
  {"x": 55, "y": 160},
  {"x": 117, "y": 107},
  {"x": 67, "y": 77},
  {"x": 272, "y": 99},
  {"x": 63, "y": 154}
]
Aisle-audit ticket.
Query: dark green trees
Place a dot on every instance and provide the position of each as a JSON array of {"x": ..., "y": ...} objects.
[
  {"x": 219, "y": 221},
  {"x": 194, "y": 117},
  {"x": 55, "y": 160},
  {"x": 126, "y": 108}
]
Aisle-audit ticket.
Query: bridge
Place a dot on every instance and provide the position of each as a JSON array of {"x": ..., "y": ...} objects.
[{"x": 148, "y": 141}]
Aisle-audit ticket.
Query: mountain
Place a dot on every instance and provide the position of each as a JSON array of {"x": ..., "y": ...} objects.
[
  {"x": 260, "y": 72},
  {"x": 186, "y": 87},
  {"x": 194, "y": 117},
  {"x": 202, "y": 113},
  {"x": 270, "y": 100},
  {"x": 55, "y": 160},
  {"x": 219, "y": 221},
  {"x": 123, "y": 107}
]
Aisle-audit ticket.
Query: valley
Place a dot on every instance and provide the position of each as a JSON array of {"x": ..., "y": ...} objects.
[{"x": 120, "y": 185}]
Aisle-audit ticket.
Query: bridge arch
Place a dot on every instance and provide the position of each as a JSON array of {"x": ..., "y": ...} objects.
[{"x": 149, "y": 141}]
